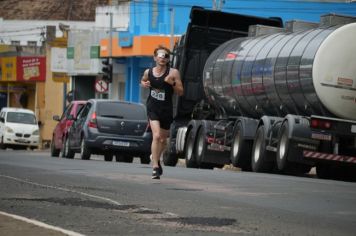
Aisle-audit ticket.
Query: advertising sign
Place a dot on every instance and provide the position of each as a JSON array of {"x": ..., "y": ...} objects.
[
  {"x": 8, "y": 69},
  {"x": 31, "y": 68},
  {"x": 59, "y": 60}
]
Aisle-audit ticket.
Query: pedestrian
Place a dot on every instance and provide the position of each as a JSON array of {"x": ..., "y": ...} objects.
[{"x": 162, "y": 81}]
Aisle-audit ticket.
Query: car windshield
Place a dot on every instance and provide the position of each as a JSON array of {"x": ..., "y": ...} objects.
[
  {"x": 121, "y": 110},
  {"x": 21, "y": 117}
]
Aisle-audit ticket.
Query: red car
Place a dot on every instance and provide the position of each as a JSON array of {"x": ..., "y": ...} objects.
[{"x": 61, "y": 129}]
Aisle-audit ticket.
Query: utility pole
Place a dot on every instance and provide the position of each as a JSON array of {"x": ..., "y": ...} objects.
[
  {"x": 110, "y": 50},
  {"x": 110, "y": 34},
  {"x": 172, "y": 29}
]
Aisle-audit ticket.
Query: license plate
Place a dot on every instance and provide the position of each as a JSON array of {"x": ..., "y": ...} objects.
[
  {"x": 353, "y": 129},
  {"x": 121, "y": 143},
  {"x": 324, "y": 137},
  {"x": 21, "y": 140}
]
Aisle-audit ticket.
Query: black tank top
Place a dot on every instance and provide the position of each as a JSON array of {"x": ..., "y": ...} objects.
[{"x": 160, "y": 96}]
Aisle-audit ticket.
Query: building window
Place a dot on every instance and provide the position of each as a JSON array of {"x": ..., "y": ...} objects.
[
  {"x": 32, "y": 43},
  {"x": 15, "y": 42}
]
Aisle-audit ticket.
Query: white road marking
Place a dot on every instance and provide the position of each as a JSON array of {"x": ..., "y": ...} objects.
[
  {"x": 41, "y": 224},
  {"x": 155, "y": 218},
  {"x": 63, "y": 189}
]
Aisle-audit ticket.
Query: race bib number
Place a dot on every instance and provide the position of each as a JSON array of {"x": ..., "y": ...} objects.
[{"x": 159, "y": 95}]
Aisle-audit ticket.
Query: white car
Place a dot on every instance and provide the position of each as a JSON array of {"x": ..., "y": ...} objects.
[{"x": 18, "y": 128}]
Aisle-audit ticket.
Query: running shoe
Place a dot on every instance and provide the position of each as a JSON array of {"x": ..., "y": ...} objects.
[{"x": 155, "y": 173}]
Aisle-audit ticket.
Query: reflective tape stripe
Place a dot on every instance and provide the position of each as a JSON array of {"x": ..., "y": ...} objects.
[{"x": 331, "y": 157}]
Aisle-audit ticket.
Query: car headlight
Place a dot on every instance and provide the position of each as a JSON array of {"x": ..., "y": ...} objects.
[
  {"x": 36, "y": 132},
  {"x": 9, "y": 130}
]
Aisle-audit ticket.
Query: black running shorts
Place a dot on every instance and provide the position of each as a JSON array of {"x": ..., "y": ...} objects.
[{"x": 164, "y": 117}]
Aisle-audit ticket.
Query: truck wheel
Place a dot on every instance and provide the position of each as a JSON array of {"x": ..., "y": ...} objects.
[
  {"x": 54, "y": 150},
  {"x": 84, "y": 151},
  {"x": 190, "y": 160},
  {"x": 240, "y": 149},
  {"x": 200, "y": 149},
  {"x": 180, "y": 139},
  {"x": 145, "y": 159},
  {"x": 108, "y": 156},
  {"x": 67, "y": 152},
  {"x": 324, "y": 171},
  {"x": 283, "y": 149},
  {"x": 169, "y": 158},
  {"x": 259, "y": 159}
]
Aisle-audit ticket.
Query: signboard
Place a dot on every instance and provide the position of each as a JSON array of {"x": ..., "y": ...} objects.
[
  {"x": 59, "y": 60},
  {"x": 101, "y": 86},
  {"x": 31, "y": 68},
  {"x": 125, "y": 39},
  {"x": 60, "y": 77},
  {"x": 94, "y": 52},
  {"x": 8, "y": 69}
]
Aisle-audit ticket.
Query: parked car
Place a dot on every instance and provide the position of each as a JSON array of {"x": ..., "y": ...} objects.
[
  {"x": 110, "y": 127},
  {"x": 61, "y": 130},
  {"x": 18, "y": 128}
]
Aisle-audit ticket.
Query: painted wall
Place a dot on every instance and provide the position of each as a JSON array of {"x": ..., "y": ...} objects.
[{"x": 154, "y": 16}]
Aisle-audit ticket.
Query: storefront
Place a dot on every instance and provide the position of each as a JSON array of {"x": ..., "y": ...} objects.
[{"x": 19, "y": 78}]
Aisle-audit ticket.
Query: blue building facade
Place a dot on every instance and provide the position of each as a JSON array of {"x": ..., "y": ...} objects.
[{"x": 171, "y": 17}]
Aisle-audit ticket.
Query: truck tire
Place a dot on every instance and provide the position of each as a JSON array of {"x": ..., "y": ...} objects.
[
  {"x": 169, "y": 158},
  {"x": 181, "y": 134},
  {"x": 240, "y": 155},
  {"x": 54, "y": 150},
  {"x": 259, "y": 159},
  {"x": 190, "y": 160},
  {"x": 145, "y": 158},
  {"x": 200, "y": 148},
  {"x": 324, "y": 171},
  {"x": 84, "y": 151},
  {"x": 66, "y": 151},
  {"x": 285, "y": 152},
  {"x": 283, "y": 149}
]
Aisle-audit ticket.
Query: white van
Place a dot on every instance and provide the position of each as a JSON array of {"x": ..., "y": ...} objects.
[{"x": 18, "y": 128}]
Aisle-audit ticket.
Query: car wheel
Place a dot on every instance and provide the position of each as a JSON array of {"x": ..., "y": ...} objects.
[
  {"x": 84, "y": 151},
  {"x": 67, "y": 152},
  {"x": 145, "y": 159},
  {"x": 54, "y": 150},
  {"x": 108, "y": 156},
  {"x": 2, "y": 145}
]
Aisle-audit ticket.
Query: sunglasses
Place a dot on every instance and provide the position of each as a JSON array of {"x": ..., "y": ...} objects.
[{"x": 163, "y": 55}]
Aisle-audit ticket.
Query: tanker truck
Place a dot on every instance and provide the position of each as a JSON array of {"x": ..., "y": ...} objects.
[{"x": 264, "y": 97}]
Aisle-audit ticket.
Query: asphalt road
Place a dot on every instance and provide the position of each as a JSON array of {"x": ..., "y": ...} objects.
[{"x": 109, "y": 198}]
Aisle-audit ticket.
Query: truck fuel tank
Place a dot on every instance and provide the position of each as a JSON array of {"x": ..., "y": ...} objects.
[{"x": 306, "y": 72}]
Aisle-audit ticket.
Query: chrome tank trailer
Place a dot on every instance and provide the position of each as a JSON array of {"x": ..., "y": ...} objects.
[{"x": 311, "y": 72}]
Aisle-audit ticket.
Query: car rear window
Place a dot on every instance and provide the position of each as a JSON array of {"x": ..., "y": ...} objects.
[
  {"x": 20, "y": 117},
  {"x": 121, "y": 110}
]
